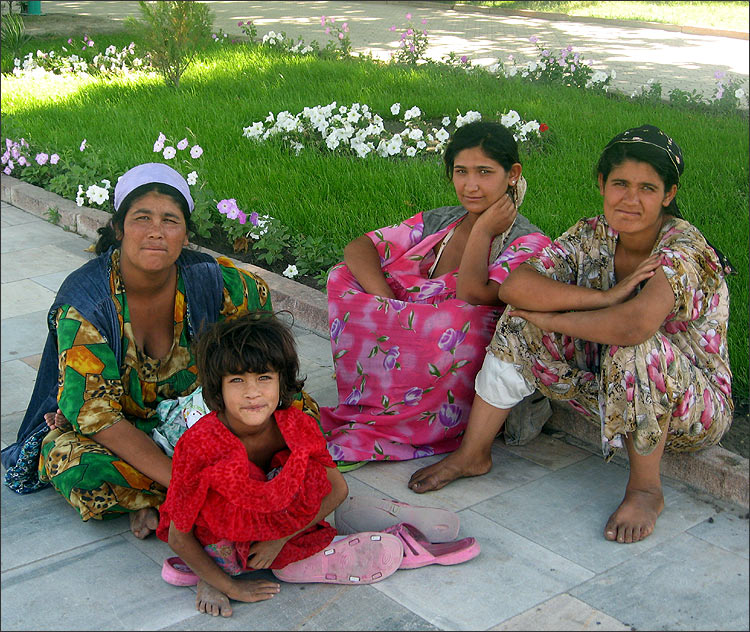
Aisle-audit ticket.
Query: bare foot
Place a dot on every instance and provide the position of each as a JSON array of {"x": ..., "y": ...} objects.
[
  {"x": 453, "y": 466},
  {"x": 211, "y": 601},
  {"x": 144, "y": 522},
  {"x": 636, "y": 516}
]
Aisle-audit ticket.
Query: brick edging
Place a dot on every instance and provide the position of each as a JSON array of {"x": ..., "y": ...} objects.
[{"x": 716, "y": 471}]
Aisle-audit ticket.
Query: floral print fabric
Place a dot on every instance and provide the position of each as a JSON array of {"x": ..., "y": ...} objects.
[
  {"x": 405, "y": 367},
  {"x": 678, "y": 381}
]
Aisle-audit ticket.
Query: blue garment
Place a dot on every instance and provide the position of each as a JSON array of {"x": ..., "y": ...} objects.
[{"x": 87, "y": 289}]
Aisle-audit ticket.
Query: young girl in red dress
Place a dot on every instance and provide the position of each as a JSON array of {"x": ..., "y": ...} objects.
[{"x": 253, "y": 481}]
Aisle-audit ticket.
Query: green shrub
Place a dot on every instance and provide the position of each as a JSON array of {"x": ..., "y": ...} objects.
[{"x": 173, "y": 32}]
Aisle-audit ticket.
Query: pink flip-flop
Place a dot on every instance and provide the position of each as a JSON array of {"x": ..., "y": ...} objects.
[
  {"x": 362, "y": 558},
  {"x": 419, "y": 551},
  {"x": 174, "y": 571},
  {"x": 370, "y": 513}
]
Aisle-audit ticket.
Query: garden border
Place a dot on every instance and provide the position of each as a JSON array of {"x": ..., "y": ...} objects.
[{"x": 716, "y": 471}]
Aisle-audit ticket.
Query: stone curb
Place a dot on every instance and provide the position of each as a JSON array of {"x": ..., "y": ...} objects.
[
  {"x": 562, "y": 17},
  {"x": 716, "y": 471}
]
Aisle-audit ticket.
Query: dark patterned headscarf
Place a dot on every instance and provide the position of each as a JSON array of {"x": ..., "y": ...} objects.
[{"x": 652, "y": 135}]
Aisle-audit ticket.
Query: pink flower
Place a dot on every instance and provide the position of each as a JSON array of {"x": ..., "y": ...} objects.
[
  {"x": 710, "y": 341},
  {"x": 667, "y": 351},
  {"x": 685, "y": 403},
  {"x": 8, "y": 170},
  {"x": 328, "y": 30},
  {"x": 673, "y": 326},
  {"x": 724, "y": 383},
  {"x": 569, "y": 347},
  {"x": 240, "y": 23},
  {"x": 227, "y": 206},
  {"x": 393, "y": 28},
  {"x": 54, "y": 159},
  {"x": 708, "y": 409},
  {"x": 576, "y": 406},
  {"x": 341, "y": 36},
  {"x": 654, "y": 371},
  {"x": 424, "y": 21},
  {"x": 41, "y": 158},
  {"x": 182, "y": 144},
  {"x": 543, "y": 373},
  {"x": 241, "y": 216},
  {"x": 196, "y": 151},
  {"x": 547, "y": 342},
  {"x": 322, "y": 20},
  {"x": 345, "y": 27},
  {"x": 22, "y": 161},
  {"x": 70, "y": 40},
  {"x": 628, "y": 383},
  {"x": 410, "y": 31},
  {"x": 408, "y": 16}
]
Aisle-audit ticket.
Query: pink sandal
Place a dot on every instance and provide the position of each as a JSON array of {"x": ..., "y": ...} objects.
[
  {"x": 362, "y": 558},
  {"x": 419, "y": 551},
  {"x": 370, "y": 513},
  {"x": 174, "y": 571}
]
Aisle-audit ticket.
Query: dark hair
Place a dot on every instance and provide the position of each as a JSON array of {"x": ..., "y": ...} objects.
[
  {"x": 108, "y": 233},
  {"x": 616, "y": 154},
  {"x": 492, "y": 138},
  {"x": 256, "y": 342}
]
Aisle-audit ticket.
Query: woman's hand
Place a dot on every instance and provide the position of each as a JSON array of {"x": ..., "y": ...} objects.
[
  {"x": 262, "y": 554},
  {"x": 498, "y": 217},
  {"x": 57, "y": 420},
  {"x": 624, "y": 289}
]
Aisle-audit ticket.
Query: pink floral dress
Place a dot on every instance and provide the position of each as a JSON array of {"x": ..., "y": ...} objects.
[
  {"x": 678, "y": 381},
  {"x": 405, "y": 367}
]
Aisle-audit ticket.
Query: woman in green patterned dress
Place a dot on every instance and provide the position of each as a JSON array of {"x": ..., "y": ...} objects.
[{"x": 122, "y": 328}]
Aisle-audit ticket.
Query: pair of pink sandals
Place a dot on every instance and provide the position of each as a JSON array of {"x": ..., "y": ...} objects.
[{"x": 398, "y": 536}]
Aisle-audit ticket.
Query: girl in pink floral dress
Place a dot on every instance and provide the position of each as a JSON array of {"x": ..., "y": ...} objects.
[
  {"x": 625, "y": 316},
  {"x": 413, "y": 306}
]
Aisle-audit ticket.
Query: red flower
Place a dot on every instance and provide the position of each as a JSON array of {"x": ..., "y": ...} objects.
[{"x": 543, "y": 127}]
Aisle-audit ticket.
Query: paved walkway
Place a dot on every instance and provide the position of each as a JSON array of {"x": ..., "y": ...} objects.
[
  {"x": 677, "y": 60},
  {"x": 538, "y": 516}
]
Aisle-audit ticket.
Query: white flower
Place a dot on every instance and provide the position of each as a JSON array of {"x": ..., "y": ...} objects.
[
  {"x": 493, "y": 68},
  {"x": 290, "y": 272},
  {"x": 107, "y": 184},
  {"x": 395, "y": 109},
  {"x": 511, "y": 72},
  {"x": 739, "y": 93},
  {"x": 411, "y": 151},
  {"x": 254, "y": 130},
  {"x": 442, "y": 135},
  {"x": 613, "y": 74},
  {"x": 182, "y": 144},
  {"x": 169, "y": 152},
  {"x": 192, "y": 178},
  {"x": 79, "y": 196},
  {"x": 510, "y": 118},
  {"x": 416, "y": 134},
  {"x": 297, "y": 147},
  {"x": 446, "y": 121},
  {"x": 96, "y": 194},
  {"x": 421, "y": 144},
  {"x": 412, "y": 113}
]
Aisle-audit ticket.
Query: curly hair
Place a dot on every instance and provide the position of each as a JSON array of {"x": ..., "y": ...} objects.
[{"x": 256, "y": 342}]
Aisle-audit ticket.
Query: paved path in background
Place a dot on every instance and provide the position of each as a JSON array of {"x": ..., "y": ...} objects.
[{"x": 637, "y": 54}]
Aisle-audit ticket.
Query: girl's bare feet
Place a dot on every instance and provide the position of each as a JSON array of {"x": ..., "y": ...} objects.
[
  {"x": 636, "y": 516},
  {"x": 211, "y": 601},
  {"x": 453, "y": 466},
  {"x": 144, "y": 522}
]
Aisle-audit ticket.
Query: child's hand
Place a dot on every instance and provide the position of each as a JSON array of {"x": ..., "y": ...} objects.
[
  {"x": 57, "y": 420},
  {"x": 262, "y": 554},
  {"x": 251, "y": 590}
]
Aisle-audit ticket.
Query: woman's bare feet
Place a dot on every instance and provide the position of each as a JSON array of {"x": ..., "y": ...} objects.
[
  {"x": 636, "y": 516},
  {"x": 144, "y": 522},
  {"x": 453, "y": 466},
  {"x": 211, "y": 601}
]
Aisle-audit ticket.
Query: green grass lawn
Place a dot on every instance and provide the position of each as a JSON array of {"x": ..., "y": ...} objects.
[
  {"x": 340, "y": 197},
  {"x": 731, "y": 16}
]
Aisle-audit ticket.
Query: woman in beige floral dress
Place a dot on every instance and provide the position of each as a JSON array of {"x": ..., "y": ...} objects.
[{"x": 624, "y": 316}]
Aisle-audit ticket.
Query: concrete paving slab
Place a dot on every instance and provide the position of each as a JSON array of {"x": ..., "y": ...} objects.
[
  {"x": 13, "y": 216},
  {"x": 566, "y": 513},
  {"x": 41, "y": 525},
  {"x": 729, "y": 530},
  {"x": 23, "y": 336},
  {"x": 33, "y": 262},
  {"x": 562, "y": 613},
  {"x": 19, "y": 237},
  {"x": 22, "y": 297},
  {"x": 18, "y": 382},
  {"x": 510, "y": 575},
  {"x": 9, "y": 427},
  {"x": 686, "y": 584},
  {"x": 106, "y": 585},
  {"x": 548, "y": 452},
  {"x": 508, "y": 472}
]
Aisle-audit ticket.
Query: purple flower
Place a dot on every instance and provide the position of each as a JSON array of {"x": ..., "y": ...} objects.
[
  {"x": 227, "y": 206},
  {"x": 410, "y": 31},
  {"x": 8, "y": 170},
  {"x": 396, "y": 304},
  {"x": 430, "y": 288},
  {"x": 449, "y": 414},
  {"x": 389, "y": 362},
  {"x": 413, "y": 396},
  {"x": 450, "y": 339},
  {"x": 464, "y": 59},
  {"x": 353, "y": 398},
  {"x": 336, "y": 452},
  {"x": 22, "y": 161},
  {"x": 70, "y": 40},
  {"x": 421, "y": 451},
  {"x": 241, "y": 216},
  {"x": 254, "y": 218},
  {"x": 533, "y": 39},
  {"x": 42, "y": 158},
  {"x": 83, "y": 145},
  {"x": 240, "y": 23},
  {"x": 182, "y": 144},
  {"x": 196, "y": 151},
  {"x": 718, "y": 74},
  {"x": 337, "y": 326},
  {"x": 54, "y": 159}
]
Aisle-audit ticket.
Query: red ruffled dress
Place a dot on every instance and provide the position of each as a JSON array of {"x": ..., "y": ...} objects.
[{"x": 216, "y": 489}]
